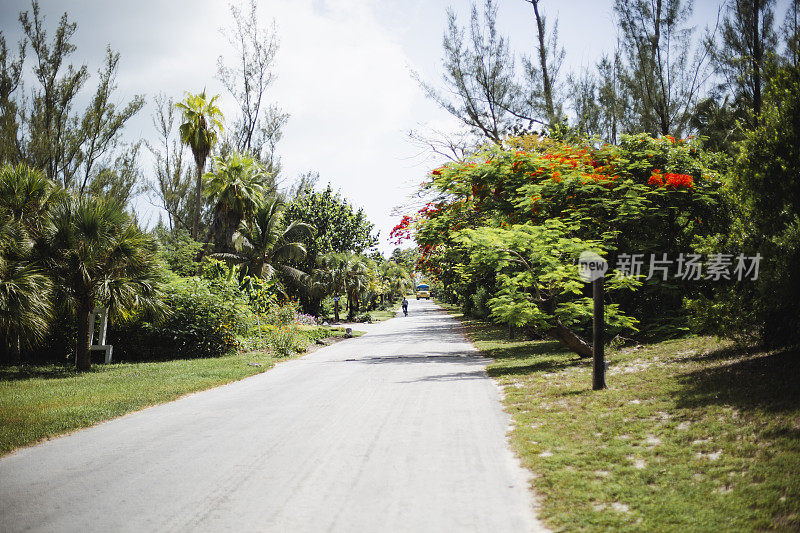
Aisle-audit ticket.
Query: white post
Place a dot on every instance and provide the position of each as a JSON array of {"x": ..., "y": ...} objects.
[{"x": 108, "y": 349}]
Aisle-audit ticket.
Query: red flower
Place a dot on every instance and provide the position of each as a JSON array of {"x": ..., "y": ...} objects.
[{"x": 679, "y": 181}]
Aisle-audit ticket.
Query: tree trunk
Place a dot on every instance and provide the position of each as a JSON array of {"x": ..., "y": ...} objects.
[
  {"x": 569, "y": 339},
  {"x": 83, "y": 358},
  {"x": 757, "y": 60},
  {"x": 546, "y": 83},
  {"x": 198, "y": 198},
  {"x": 336, "y": 310}
]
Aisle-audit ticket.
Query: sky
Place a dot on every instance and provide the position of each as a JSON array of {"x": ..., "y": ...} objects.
[{"x": 343, "y": 75}]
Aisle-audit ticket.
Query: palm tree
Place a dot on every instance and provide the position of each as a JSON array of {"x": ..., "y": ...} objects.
[
  {"x": 359, "y": 280},
  {"x": 330, "y": 276},
  {"x": 343, "y": 274},
  {"x": 236, "y": 187},
  {"x": 202, "y": 121},
  {"x": 26, "y": 195},
  {"x": 100, "y": 256},
  {"x": 395, "y": 278},
  {"x": 25, "y": 305},
  {"x": 264, "y": 245}
]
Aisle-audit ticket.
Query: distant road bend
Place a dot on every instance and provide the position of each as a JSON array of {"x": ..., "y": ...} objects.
[{"x": 398, "y": 430}]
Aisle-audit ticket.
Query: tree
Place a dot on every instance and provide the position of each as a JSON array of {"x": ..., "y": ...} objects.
[
  {"x": 543, "y": 74},
  {"x": 766, "y": 192},
  {"x": 661, "y": 74},
  {"x": 479, "y": 75},
  {"x": 236, "y": 189},
  {"x": 266, "y": 244},
  {"x": 259, "y": 127},
  {"x": 25, "y": 303},
  {"x": 43, "y": 128},
  {"x": 202, "y": 123},
  {"x": 172, "y": 182},
  {"x": 511, "y": 221},
  {"x": 396, "y": 279},
  {"x": 790, "y": 31},
  {"x": 611, "y": 98},
  {"x": 746, "y": 43},
  {"x": 339, "y": 226},
  {"x": 99, "y": 256},
  {"x": 583, "y": 93},
  {"x": 343, "y": 273},
  {"x": 539, "y": 285}
]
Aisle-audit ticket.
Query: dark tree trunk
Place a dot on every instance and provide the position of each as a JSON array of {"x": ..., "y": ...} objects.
[
  {"x": 336, "y": 310},
  {"x": 83, "y": 358},
  {"x": 757, "y": 59},
  {"x": 569, "y": 339},
  {"x": 198, "y": 195},
  {"x": 546, "y": 83}
]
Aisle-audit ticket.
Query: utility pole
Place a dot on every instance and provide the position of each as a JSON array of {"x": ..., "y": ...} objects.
[{"x": 598, "y": 325}]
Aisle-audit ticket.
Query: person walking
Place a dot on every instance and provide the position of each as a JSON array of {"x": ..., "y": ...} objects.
[{"x": 405, "y": 306}]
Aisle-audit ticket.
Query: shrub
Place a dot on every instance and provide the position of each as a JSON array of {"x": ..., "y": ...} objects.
[
  {"x": 364, "y": 317},
  {"x": 283, "y": 341},
  {"x": 204, "y": 319},
  {"x": 480, "y": 307},
  {"x": 305, "y": 319}
]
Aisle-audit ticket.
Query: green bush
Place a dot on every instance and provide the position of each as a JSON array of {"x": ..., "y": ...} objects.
[
  {"x": 204, "y": 320},
  {"x": 480, "y": 306},
  {"x": 364, "y": 317},
  {"x": 283, "y": 341}
]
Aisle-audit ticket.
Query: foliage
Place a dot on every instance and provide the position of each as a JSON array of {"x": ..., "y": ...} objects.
[
  {"x": 202, "y": 124},
  {"x": 258, "y": 128},
  {"x": 178, "y": 251},
  {"x": 340, "y": 228},
  {"x": 25, "y": 304},
  {"x": 547, "y": 292},
  {"x": 266, "y": 244},
  {"x": 644, "y": 196},
  {"x": 283, "y": 340},
  {"x": 203, "y": 320},
  {"x": 236, "y": 190},
  {"x": 99, "y": 255},
  {"x": 766, "y": 192},
  {"x": 80, "y": 151}
]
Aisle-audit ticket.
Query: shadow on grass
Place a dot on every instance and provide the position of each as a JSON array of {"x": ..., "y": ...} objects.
[
  {"x": 22, "y": 372},
  {"x": 530, "y": 357},
  {"x": 767, "y": 383}
]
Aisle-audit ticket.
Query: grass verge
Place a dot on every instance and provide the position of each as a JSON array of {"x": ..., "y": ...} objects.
[
  {"x": 384, "y": 314},
  {"x": 690, "y": 435},
  {"x": 43, "y": 401}
]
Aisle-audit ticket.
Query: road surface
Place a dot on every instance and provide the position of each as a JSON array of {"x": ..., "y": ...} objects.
[{"x": 398, "y": 430}]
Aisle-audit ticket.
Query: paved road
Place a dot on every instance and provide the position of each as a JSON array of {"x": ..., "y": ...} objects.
[{"x": 398, "y": 430}]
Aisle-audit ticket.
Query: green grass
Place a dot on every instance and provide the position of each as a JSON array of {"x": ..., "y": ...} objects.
[
  {"x": 43, "y": 401},
  {"x": 385, "y": 314},
  {"x": 690, "y": 435}
]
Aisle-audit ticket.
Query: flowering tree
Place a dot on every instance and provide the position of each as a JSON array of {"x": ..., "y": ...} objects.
[{"x": 646, "y": 195}]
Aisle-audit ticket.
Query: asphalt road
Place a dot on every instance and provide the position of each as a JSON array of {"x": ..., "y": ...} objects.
[{"x": 398, "y": 430}]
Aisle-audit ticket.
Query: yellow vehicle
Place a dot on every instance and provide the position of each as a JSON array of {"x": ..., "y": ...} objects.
[{"x": 423, "y": 291}]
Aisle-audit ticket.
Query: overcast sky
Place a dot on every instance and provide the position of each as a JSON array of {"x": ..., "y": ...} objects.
[{"x": 343, "y": 73}]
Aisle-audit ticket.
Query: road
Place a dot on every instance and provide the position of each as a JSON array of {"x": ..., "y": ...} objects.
[{"x": 398, "y": 430}]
